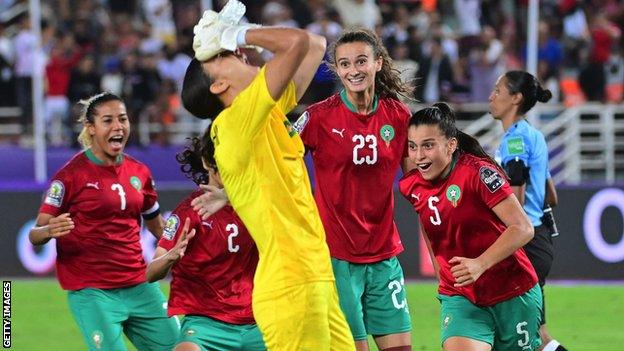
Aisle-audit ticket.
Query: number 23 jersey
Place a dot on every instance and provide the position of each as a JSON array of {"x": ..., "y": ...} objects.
[
  {"x": 456, "y": 213},
  {"x": 356, "y": 158},
  {"x": 106, "y": 203}
]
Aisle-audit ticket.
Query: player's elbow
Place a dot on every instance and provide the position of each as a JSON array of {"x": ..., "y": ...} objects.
[
  {"x": 525, "y": 228},
  {"x": 300, "y": 43},
  {"x": 318, "y": 43}
]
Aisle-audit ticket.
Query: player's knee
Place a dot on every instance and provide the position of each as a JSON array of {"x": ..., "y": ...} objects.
[{"x": 187, "y": 346}]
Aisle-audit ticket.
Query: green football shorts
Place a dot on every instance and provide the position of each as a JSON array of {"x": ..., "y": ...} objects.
[
  {"x": 511, "y": 325},
  {"x": 372, "y": 297},
  {"x": 211, "y": 334},
  {"x": 139, "y": 311}
]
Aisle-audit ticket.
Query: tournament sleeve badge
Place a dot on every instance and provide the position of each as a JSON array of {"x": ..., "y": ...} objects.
[
  {"x": 491, "y": 178},
  {"x": 171, "y": 227},
  {"x": 453, "y": 193},
  {"x": 301, "y": 122},
  {"x": 55, "y": 194},
  {"x": 387, "y": 133}
]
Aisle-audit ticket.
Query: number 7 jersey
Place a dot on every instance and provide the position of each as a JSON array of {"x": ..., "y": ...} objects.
[
  {"x": 356, "y": 158},
  {"x": 106, "y": 203}
]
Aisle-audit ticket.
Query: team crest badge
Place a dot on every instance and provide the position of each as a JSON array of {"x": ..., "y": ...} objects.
[
  {"x": 446, "y": 321},
  {"x": 387, "y": 133},
  {"x": 453, "y": 193},
  {"x": 190, "y": 332},
  {"x": 97, "y": 338},
  {"x": 54, "y": 196},
  {"x": 171, "y": 227},
  {"x": 136, "y": 183}
]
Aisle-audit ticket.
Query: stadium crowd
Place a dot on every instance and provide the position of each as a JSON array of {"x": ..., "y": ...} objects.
[{"x": 452, "y": 50}]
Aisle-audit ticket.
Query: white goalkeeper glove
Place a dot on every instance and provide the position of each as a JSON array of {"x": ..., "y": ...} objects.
[{"x": 217, "y": 32}]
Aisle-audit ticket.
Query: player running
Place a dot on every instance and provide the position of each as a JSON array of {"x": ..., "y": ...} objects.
[
  {"x": 93, "y": 209},
  {"x": 474, "y": 229}
]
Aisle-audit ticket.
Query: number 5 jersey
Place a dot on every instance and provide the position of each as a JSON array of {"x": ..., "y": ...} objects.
[
  {"x": 456, "y": 213},
  {"x": 106, "y": 203}
]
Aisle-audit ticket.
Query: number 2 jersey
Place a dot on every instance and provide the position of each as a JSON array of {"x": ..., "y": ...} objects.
[
  {"x": 215, "y": 276},
  {"x": 356, "y": 158},
  {"x": 106, "y": 203},
  {"x": 456, "y": 214}
]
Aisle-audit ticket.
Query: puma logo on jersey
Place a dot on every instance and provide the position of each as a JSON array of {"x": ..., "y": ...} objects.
[
  {"x": 207, "y": 224},
  {"x": 93, "y": 185},
  {"x": 339, "y": 132},
  {"x": 417, "y": 197}
]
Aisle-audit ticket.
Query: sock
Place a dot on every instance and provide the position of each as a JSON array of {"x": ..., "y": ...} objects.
[
  {"x": 399, "y": 348},
  {"x": 561, "y": 348},
  {"x": 553, "y": 345}
]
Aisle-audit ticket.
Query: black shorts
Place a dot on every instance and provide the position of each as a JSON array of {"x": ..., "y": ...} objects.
[{"x": 540, "y": 252}]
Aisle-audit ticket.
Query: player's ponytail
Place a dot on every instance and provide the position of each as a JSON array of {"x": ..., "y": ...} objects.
[
  {"x": 530, "y": 88},
  {"x": 88, "y": 107}
]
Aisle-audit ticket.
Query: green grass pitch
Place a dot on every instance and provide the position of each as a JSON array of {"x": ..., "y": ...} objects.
[{"x": 584, "y": 318}]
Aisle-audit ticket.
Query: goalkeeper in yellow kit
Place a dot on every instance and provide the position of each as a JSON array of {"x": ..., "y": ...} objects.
[{"x": 260, "y": 159}]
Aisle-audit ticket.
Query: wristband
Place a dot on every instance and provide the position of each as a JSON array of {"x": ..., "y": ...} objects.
[{"x": 240, "y": 37}]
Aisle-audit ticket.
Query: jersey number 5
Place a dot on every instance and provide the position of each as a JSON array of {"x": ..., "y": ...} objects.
[
  {"x": 360, "y": 142},
  {"x": 233, "y": 230},
  {"x": 122, "y": 194},
  {"x": 435, "y": 219}
]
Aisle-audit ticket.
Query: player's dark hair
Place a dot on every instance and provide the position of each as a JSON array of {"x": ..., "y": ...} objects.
[
  {"x": 196, "y": 95},
  {"x": 530, "y": 88},
  {"x": 88, "y": 107},
  {"x": 190, "y": 159},
  {"x": 388, "y": 80},
  {"x": 442, "y": 115}
]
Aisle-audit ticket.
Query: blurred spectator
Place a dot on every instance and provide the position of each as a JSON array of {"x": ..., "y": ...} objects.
[
  {"x": 549, "y": 50},
  {"x": 435, "y": 74},
  {"x": 603, "y": 36},
  {"x": 363, "y": 13},
  {"x": 84, "y": 80},
  {"x": 276, "y": 13},
  {"x": 468, "y": 14},
  {"x": 159, "y": 15},
  {"x": 396, "y": 31},
  {"x": 112, "y": 79},
  {"x": 173, "y": 65},
  {"x": 24, "y": 44},
  {"x": 486, "y": 65},
  {"x": 63, "y": 58},
  {"x": 575, "y": 31},
  {"x": 7, "y": 80}
]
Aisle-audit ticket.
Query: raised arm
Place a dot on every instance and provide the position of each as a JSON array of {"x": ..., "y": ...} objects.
[{"x": 297, "y": 55}]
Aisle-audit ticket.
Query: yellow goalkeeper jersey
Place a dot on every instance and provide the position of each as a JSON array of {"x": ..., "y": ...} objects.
[{"x": 260, "y": 160}]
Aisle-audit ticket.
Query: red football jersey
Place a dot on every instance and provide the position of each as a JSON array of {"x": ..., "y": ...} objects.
[
  {"x": 215, "y": 276},
  {"x": 106, "y": 202},
  {"x": 456, "y": 214},
  {"x": 356, "y": 158}
]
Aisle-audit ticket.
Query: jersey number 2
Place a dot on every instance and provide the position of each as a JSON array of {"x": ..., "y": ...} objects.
[
  {"x": 122, "y": 194},
  {"x": 360, "y": 142},
  {"x": 233, "y": 230}
]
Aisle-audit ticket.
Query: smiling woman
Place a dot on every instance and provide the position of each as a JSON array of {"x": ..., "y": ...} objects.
[{"x": 93, "y": 209}]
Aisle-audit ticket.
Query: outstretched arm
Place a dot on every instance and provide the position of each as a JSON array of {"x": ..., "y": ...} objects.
[{"x": 164, "y": 260}]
